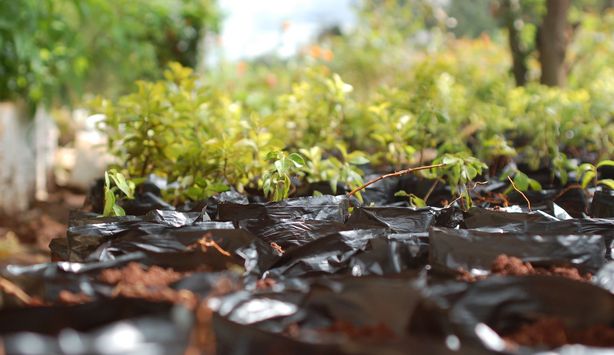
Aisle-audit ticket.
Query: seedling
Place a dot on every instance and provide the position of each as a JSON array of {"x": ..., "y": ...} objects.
[
  {"x": 458, "y": 171},
  {"x": 276, "y": 181},
  {"x": 414, "y": 200},
  {"x": 587, "y": 173},
  {"x": 116, "y": 188},
  {"x": 333, "y": 170}
]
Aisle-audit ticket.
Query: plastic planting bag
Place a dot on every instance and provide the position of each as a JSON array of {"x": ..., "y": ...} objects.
[
  {"x": 331, "y": 316},
  {"x": 404, "y": 219},
  {"x": 476, "y": 250},
  {"x": 603, "y": 204},
  {"x": 323, "y": 208}
]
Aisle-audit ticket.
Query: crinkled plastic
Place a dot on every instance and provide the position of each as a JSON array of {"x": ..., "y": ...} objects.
[
  {"x": 585, "y": 226},
  {"x": 503, "y": 303},
  {"x": 323, "y": 208},
  {"x": 104, "y": 325},
  {"x": 210, "y": 205},
  {"x": 120, "y": 326},
  {"x": 288, "y": 233},
  {"x": 356, "y": 252},
  {"x": 605, "y": 277},
  {"x": 46, "y": 281},
  {"x": 602, "y": 205},
  {"x": 574, "y": 201},
  {"x": 366, "y": 269},
  {"x": 404, "y": 219},
  {"x": 480, "y": 217},
  {"x": 86, "y": 232},
  {"x": 475, "y": 250},
  {"x": 260, "y": 322}
]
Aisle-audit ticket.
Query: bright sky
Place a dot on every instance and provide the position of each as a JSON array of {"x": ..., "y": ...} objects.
[{"x": 253, "y": 27}]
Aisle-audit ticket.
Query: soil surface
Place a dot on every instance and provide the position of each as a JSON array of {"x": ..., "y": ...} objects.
[
  {"x": 24, "y": 239},
  {"x": 152, "y": 283},
  {"x": 375, "y": 332},
  {"x": 552, "y": 332},
  {"x": 511, "y": 266}
]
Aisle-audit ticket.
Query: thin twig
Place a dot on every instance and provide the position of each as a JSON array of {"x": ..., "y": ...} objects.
[
  {"x": 398, "y": 173},
  {"x": 430, "y": 191},
  {"x": 520, "y": 192},
  {"x": 10, "y": 288},
  {"x": 453, "y": 201},
  {"x": 566, "y": 190},
  {"x": 467, "y": 190}
]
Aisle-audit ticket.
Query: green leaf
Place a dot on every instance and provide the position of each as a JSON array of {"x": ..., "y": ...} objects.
[
  {"x": 118, "y": 211},
  {"x": 585, "y": 167},
  {"x": 607, "y": 182},
  {"x": 358, "y": 160},
  {"x": 109, "y": 202},
  {"x": 441, "y": 118},
  {"x": 471, "y": 172},
  {"x": 280, "y": 167},
  {"x": 587, "y": 178},
  {"x": 122, "y": 184},
  {"x": 297, "y": 159},
  {"x": 272, "y": 155},
  {"x": 521, "y": 180},
  {"x": 535, "y": 185},
  {"x": 401, "y": 193},
  {"x": 416, "y": 201},
  {"x": 218, "y": 187},
  {"x": 605, "y": 163},
  {"x": 107, "y": 182}
]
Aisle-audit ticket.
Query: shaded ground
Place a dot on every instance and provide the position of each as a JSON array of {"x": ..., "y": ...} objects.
[{"x": 25, "y": 238}]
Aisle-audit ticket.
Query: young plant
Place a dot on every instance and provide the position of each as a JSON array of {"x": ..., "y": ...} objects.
[
  {"x": 458, "y": 171},
  {"x": 334, "y": 170},
  {"x": 116, "y": 188},
  {"x": 587, "y": 173},
  {"x": 414, "y": 200},
  {"x": 522, "y": 181},
  {"x": 276, "y": 181}
]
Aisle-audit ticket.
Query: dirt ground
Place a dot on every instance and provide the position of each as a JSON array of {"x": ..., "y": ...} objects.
[{"x": 25, "y": 238}]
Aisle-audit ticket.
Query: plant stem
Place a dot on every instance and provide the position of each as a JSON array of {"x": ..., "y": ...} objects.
[
  {"x": 10, "y": 288},
  {"x": 520, "y": 192},
  {"x": 430, "y": 191},
  {"x": 398, "y": 173}
]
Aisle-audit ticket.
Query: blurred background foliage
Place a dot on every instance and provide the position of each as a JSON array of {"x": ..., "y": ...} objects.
[
  {"x": 413, "y": 80},
  {"x": 53, "y": 51}
]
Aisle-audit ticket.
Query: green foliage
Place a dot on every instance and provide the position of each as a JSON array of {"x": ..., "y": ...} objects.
[
  {"x": 202, "y": 141},
  {"x": 57, "y": 50},
  {"x": 37, "y": 50},
  {"x": 314, "y": 111},
  {"x": 521, "y": 181},
  {"x": 414, "y": 200},
  {"x": 276, "y": 181},
  {"x": 588, "y": 173},
  {"x": 116, "y": 187},
  {"x": 459, "y": 170},
  {"x": 406, "y": 93},
  {"x": 334, "y": 170},
  {"x": 187, "y": 133}
]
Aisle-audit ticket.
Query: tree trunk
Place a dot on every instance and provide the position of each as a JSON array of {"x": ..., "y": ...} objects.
[
  {"x": 17, "y": 172},
  {"x": 519, "y": 51},
  {"x": 552, "y": 40}
]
